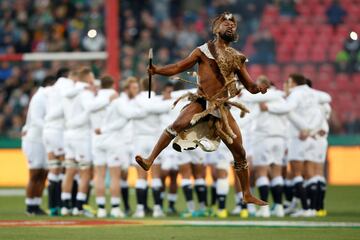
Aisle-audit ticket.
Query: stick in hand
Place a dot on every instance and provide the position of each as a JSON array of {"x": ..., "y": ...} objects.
[{"x": 150, "y": 64}]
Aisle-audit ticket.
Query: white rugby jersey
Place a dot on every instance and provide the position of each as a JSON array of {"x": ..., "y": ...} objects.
[
  {"x": 271, "y": 123},
  {"x": 114, "y": 127},
  {"x": 35, "y": 117},
  {"x": 325, "y": 107},
  {"x": 150, "y": 125},
  {"x": 167, "y": 118},
  {"x": 54, "y": 118},
  {"x": 77, "y": 112},
  {"x": 97, "y": 107},
  {"x": 305, "y": 112}
]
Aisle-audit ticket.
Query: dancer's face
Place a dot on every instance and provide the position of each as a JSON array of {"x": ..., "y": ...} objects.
[{"x": 227, "y": 31}]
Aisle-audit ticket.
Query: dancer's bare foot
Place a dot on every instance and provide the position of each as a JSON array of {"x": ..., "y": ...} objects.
[
  {"x": 251, "y": 199},
  {"x": 143, "y": 162}
]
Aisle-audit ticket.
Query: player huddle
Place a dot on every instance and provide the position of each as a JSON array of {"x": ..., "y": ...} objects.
[{"x": 80, "y": 129}]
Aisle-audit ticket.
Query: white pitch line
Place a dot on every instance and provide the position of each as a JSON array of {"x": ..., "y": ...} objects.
[
  {"x": 270, "y": 224},
  {"x": 12, "y": 192}
]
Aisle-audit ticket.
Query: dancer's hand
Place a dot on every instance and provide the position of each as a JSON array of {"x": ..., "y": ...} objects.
[
  {"x": 114, "y": 96},
  {"x": 263, "y": 87},
  {"x": 152, "y": 69}
]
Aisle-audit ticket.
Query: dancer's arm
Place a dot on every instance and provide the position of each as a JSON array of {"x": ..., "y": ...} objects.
[
  {"x": 248, "y": 83},
  {"x": 178, "y": 67}
]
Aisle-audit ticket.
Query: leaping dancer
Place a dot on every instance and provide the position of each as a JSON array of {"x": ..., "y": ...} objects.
[{"x": 218, "y": 66}]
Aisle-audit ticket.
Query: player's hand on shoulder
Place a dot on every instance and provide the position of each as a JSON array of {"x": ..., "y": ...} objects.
[
  {"x": 263, "y": 106},
  {"x": 114, "y": 96},
  {"x": 97, "y": 131},
  {"x": 92, "y": 88}
]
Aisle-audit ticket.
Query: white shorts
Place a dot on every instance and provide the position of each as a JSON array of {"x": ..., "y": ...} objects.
[
  {"x": 301, "y": 150},
  {"x": 170, "y": 159},
  {"x": 79, "y": 150},
  {"x": 143, "y": 146},
  {"x": 54, "y": 141},
  {"x": 35, "y": 154},
  {"x": 269, "y": 151},
  {"x": 196, "y": 156},
  {"x": 220, "y": 158},
  {"x": 247, "y": 144},
  {"x": 320, "y": 150},
  {"x": 111, "y": 157}
]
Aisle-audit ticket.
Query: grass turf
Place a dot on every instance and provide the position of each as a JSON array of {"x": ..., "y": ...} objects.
[{"x": 341, "y": 203}]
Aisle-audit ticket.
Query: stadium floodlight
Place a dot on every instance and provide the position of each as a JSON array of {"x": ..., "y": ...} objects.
[
  {"x": 354, "y": 36},
  {"x": 92, "y": 33}
]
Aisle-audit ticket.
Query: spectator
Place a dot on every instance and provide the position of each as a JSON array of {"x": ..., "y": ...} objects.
[
  {"x": 265, "y": 48},
  {"x": 335, "y": 13},
  {"x": 342, "y": 62},
  {"x": 287, "y": 8},
  {"x": 5, "y": 71}
]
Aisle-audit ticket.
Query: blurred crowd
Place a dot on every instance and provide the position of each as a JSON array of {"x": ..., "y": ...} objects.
[
  {"x": 41, "y": 26},
  {"x": 172, "y": 27}
]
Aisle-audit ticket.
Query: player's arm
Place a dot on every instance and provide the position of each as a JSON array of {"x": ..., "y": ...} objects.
[
  {"x": 73, "y": 91},
  {"x": 181, "y": 66},
  {"x": 100, "y": 103},
  {"x": 297, "y": 121},
  {"x": 113, "y": 126},
  {"x": 130, "y": 111},
  {"x": 86, "y": 98},
  {"x": 323, "y": 97},
  {"x": 248, "y": 83},
  {"x": 156, "y": 105},
  {"x": 316, "y": 121},
  {"x": 56, "y": 112},
  {"x": 258, "y": 98},
  {"x": 37, "y": 113},
  {"x": 279, "y": 107},
  {"x": 179, "y": 93}
]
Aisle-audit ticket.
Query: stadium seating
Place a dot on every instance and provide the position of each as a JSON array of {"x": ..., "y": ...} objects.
[{"x": 307, "y": 43}]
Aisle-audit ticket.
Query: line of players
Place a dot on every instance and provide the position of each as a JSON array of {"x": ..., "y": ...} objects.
[{"x": 83, "y": 126}]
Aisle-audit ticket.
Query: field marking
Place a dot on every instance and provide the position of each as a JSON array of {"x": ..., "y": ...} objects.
[
  {"x": 197, "y": 223},
  {"x": 12, "y": 192},
  {"x": 65, "y": 223},
  {"x": 302, "y": 224}
]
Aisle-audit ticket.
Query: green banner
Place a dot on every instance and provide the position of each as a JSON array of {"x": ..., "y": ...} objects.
[{"x": 336, "y": 140}]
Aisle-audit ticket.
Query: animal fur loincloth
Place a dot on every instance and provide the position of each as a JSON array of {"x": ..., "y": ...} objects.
[{"x": 213, "y": 128}]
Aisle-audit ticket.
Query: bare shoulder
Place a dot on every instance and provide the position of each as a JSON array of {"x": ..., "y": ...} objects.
[
  {"x": 196, "y": 52},
  {"x": 195, "y": 55}
]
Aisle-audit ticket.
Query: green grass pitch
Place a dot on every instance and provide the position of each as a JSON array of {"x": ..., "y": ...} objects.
[{"x": 342, "y": 204}]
